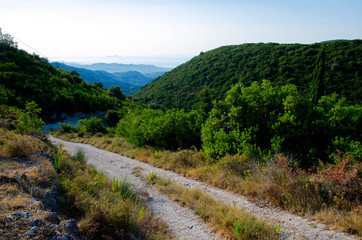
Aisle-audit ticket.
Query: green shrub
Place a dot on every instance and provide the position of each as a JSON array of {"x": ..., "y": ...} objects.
[
  {"x": 113, "y": 116},
  {"x": 68, "y": 128},
  {"x": 29, "y": 120},
  {"x": 152, "y": 177},
  {"x": 79, "y": 156},
  {"x": 123, "y": 188},
  {"x": 92, "y": 125},
  {"x": 172, "y": 130}
]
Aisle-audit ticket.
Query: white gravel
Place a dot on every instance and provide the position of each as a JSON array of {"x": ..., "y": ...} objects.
[{"x": 182, "y": 221}]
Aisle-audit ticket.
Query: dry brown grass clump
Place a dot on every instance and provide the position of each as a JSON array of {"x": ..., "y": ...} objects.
[{"x": 16, "y": 145}]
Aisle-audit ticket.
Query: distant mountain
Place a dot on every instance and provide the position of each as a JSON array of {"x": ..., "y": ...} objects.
[
  {"x": 136, "y": 78},
  {"x": 118, "y": 67},
  {"x": 130, "y": 82},
  {"x": 219, "y": 69}
]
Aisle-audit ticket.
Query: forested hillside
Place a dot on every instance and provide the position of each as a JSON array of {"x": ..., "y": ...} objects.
[
  {"x": 27, "y": 77},
  {"x": 219, "y": 69}
]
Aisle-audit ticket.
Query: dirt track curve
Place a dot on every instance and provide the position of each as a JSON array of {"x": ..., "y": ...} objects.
[{"x": 183, "y": 222}]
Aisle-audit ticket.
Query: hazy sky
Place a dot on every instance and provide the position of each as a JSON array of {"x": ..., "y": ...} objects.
[{"x": 65, "y": 29}]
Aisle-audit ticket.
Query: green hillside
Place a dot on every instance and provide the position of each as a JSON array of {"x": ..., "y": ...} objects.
[
  {"x": 281, "y": 64},
  {"x": 27, "y": 77}
]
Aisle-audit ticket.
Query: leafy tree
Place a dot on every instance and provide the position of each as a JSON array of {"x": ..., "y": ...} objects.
[
  {"x": 7, "y": 41},
  {"x": 263, "y": 118},
  {"x": 116, "y": 93},
  {"x": 205, "y": 104},
  {"x": 113, "y": 116},
  {"x": 29, "y": 120}
]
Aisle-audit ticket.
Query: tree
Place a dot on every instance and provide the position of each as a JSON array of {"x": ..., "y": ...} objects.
[
  {"x": 205, "y": 102},
  {"x": 7, "y": 41},
  {"x": 317, "y": 84},
  {"x": 99, "y": 84},
  {"x": 29, "y": 120},
  {"x": 115, "y": 92}
]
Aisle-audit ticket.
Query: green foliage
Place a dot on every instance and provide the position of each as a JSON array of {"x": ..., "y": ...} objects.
[
  {"x": 123, "y": 188},
  {"x": 92, "y": 125},
  {"x": 152, "y": 177},
  {"x": 29, "y": 120},
  {"x": 173, "y": 129},
  {"x": 25, "y": 77},
  {"x": 79, "y": 156},
  {"x": 262, "y": 118},
  {"x": 113, "y": 116},
  {"x": 317, "y": 84},
  {"x": 248, "y": 228},
  {"x": 68, "y": 128},
  {"x": 115, "y": 91},
  {"x": 221, "y": 68},
  {"x": 156, "y": 154},
  {"x": 58, "y": 159}
]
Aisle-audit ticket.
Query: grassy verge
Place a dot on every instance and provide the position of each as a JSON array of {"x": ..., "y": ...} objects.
[
  {"x": 330, "y": 194},
  {"x": 108, "y": 210},
  {"x": 227, "y": 221}
]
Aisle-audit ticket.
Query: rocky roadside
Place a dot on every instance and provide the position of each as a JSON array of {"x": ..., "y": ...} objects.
[{"x": 29, "y": 201}]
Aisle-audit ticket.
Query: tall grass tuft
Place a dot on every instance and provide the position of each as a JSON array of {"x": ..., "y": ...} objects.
[
  {"x": 80, "y": 156},
  {"x": 123, "y": 187}
]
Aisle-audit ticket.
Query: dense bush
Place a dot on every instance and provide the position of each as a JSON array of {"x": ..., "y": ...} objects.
[
  {"x": 92, "y": 125},
  {"x": 261, "y": 119},
  {"x": 172, "y": 129},
  {"x": 68, "y": 128},
  {"x": 113, "y": 116}
]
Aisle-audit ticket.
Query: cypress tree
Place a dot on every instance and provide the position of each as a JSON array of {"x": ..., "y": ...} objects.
[{"x": 317, "y": 84}]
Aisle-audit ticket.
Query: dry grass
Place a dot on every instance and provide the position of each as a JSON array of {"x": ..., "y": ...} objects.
[
  {"x": 16, "y": 159},
  {"x": 16, "y": 145},
  {"x": 227, "y": 221},
  {"x": 350, "y": 222}
]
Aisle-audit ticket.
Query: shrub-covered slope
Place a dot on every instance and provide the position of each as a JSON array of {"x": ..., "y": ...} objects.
[
  {"x": 25, "y": 77},
  {"x": 282, "y": 64}
]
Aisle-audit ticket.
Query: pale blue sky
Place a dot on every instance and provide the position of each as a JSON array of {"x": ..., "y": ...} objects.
[{"x": 66, "y": 29}]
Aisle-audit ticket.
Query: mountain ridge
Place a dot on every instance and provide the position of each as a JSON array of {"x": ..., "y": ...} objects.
[
  {"x": 223, "y": 67},
  {"x": 129, "y": 82},
  {"x": 120, "y": 67}
]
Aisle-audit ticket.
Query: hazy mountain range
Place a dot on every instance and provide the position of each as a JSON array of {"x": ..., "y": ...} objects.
[
  {"x": 129, "y": 77},
  {"x": 119, "y": 67}
]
